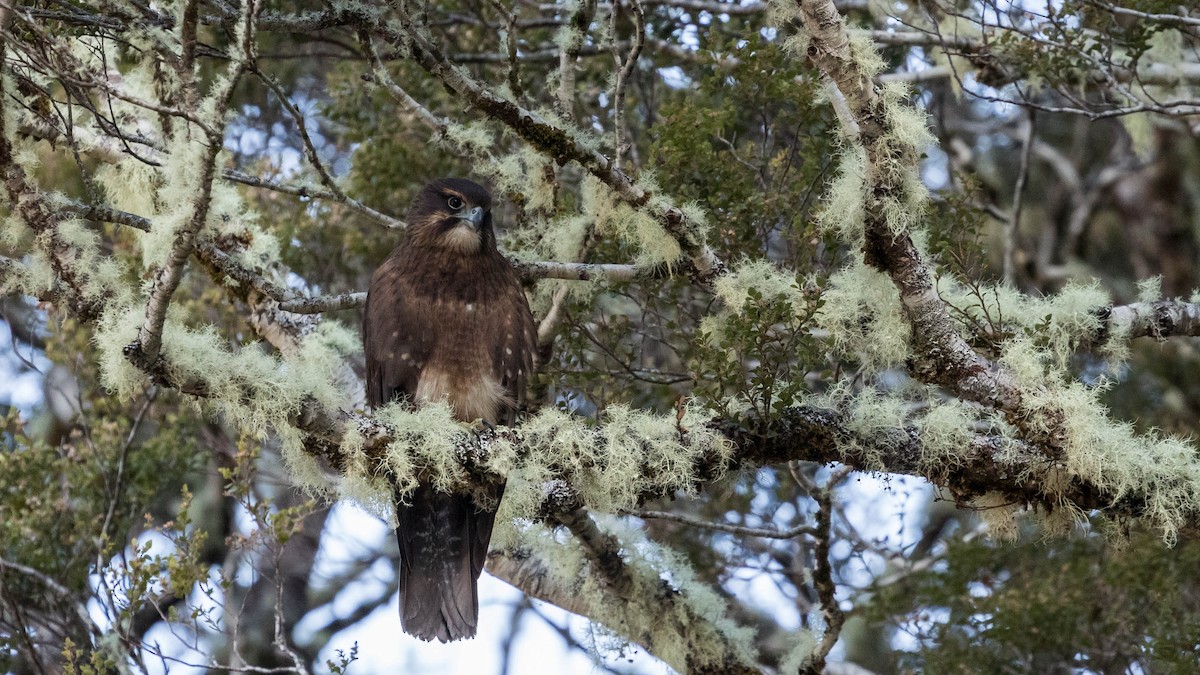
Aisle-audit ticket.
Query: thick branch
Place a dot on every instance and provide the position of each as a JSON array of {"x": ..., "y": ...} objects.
[{"x": 942, "y": 356}]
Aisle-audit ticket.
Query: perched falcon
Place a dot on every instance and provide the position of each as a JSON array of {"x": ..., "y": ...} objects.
[{"x": 447, "y": 319}]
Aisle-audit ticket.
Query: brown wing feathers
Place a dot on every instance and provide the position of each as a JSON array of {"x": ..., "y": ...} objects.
[{"x": 446, "y": 318}]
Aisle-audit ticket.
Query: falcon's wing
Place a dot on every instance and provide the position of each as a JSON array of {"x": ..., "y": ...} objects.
[
  {"x": 397, "y": 339},
  {"x": 514, "y": 347}
]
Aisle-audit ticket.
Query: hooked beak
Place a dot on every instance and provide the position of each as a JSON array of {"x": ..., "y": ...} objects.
[{"x": 474, "y": 217}]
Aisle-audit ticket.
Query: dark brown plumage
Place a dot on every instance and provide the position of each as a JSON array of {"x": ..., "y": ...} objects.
[{"x": 446, "y": 318}]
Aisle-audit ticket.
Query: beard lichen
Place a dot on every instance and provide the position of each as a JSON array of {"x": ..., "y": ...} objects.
[
  {"x": 864, "y": 318},
  {"x": 653, "y": 244},
  {"x": 610, "y": 466},
  {"x": 1160, "y": 473}
]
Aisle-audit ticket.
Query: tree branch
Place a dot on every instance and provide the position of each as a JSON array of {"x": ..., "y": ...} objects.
[{"x": 633, "y": 600}]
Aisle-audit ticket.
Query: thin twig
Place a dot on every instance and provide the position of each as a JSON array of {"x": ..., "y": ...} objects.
[
  {"x": 1014, "y": 217},
  {"x": 823, "y": 581},
  {"x": 762, "y": 532},
  {"x": 625, "y": 69},
  {"x": 380, "y": 74}
]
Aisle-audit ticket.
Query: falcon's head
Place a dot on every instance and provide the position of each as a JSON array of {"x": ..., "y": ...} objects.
[{"x": 453, "y": 214}]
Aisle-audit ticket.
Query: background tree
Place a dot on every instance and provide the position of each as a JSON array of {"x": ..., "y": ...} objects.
[{"x": 843, "y": 315}]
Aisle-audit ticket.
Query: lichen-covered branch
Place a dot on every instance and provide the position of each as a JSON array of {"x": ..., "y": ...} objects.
[
  {"x": 380, "y": 74},
  {"x": 1159, "y": 320},
  {"x": 146, "y": 348},
  {"x": 621, "y": 584},
  {"x": 572, "y": 36},
  {"x": 942, "y": 356},
  {"x": 324, "y": 303},
  {"x": 986, "y": 464}
]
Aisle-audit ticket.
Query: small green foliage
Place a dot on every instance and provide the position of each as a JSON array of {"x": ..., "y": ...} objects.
[
  {"x": 757, "y": 346},
  {"x": 991, "y": 607},
  {"x": 342, "y": 665},
  {"x": 82, "y": 661}
]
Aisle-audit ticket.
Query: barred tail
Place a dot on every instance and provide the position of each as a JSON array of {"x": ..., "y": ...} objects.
[{"x": 443, "y": 544}]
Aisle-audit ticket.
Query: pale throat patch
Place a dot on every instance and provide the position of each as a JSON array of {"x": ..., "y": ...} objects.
[
  {"x": 463, "y": 238},
  {"x": 477, "y": 398}
]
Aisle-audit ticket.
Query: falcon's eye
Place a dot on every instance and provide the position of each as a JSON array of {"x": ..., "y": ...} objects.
[{"x": 454, "y": 203}]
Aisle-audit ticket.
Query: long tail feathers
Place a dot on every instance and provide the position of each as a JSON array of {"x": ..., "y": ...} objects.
[{"x": 443, "y": 544}]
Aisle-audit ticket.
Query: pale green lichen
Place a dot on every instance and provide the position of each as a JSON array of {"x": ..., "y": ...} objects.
[
  {"x": 130, "y": 186},
  {"x": 612, "y": 216},
  {"x": 999, "y": 514},
  {"x": 424, "y": 445},
  {"x": 782, "y": 12},
  {"x": 1163, "y": 471},
  {"x": 1140, "y": 127},
  {"x": 610, "y": 465},
  {"x": 568, "y": 37},
  {"x": 862, "y": 313},
  {"x": 844, "y": 208},
  {"x": 1059, "y": 323},
  {"x": 873, "y": 421},
  {"x": 98, "y": 275},
  {"x": 1115, "y": 351},
  {"x": 804, "y": 643},
  {"x": 524, "y": 172},
  {"x": 633, "y": 452},
  {"x": 30, "y": 271},
  {"x": 946, "y": 434},
  {"x": 866, "y": 56},
  {"x": 1150, "y": 289},
  {"x": 259, "y": 393},
  {"x": 177, "y": 197},
  {"x": 474, "y": 137},
  {"x": 760, "y": 276},
  {"x": 564, "y": 237}
]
